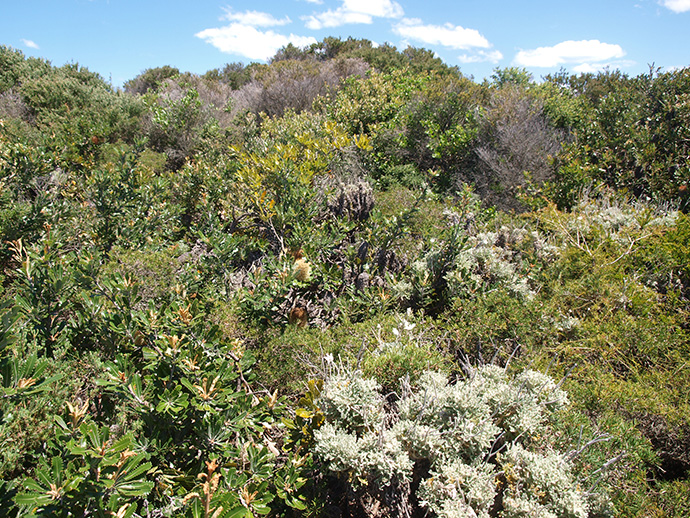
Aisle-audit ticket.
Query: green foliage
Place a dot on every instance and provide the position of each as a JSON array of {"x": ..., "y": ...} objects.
[
  {"x": 234, "y": 75},
  {"x": 150, "y": 79},
  {"x": 175, "y": 121},
  {"x": 408, "y": 353},
  {"x": 100, "y": 475},
  {"x": 511, "y": 76},
  {"x": 426, "y": 120},
  {"x": 362, "y": 104},
  {"x": 24, "y": 196},
  {"x": 630, "y": 134},
  {"x": 16, "y": 67},
  {"x": 79, "y": 112},
  {"x": 340, "y": 202},
  {"x": 440, "y": 127},
  {"x": 179, "y": 399},
  {"x": 665, "y": 258},
  {"x": 308, "y": 418},
  {"x": 385, "y": 58}
]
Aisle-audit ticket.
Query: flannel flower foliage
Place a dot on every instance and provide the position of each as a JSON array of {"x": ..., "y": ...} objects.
[{"x": 475, "y": 443}]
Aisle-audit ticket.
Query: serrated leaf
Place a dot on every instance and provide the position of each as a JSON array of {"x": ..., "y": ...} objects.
[
  {"x": 135, "y": 489},
  {"x": 238, "y": 512}
]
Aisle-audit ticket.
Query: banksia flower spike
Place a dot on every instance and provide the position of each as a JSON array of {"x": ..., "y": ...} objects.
[{"x": 301, "y": 270}]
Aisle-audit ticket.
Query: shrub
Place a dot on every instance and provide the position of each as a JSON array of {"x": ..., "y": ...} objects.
[
  {"x": 355, "y": 200},
  {"x": 150, "y": 79},
  {"x": 235, "y": 75},
  {"x": 174, "y": 123},
  {"x": 516, "y": 145},
  {"x": 474, "y": 446},
  {"x": 631, "y": 136},
  {"x": 181, "y": 417},
  {"x": 77, "y": 112},
  {"x": 291, "y": 85}
]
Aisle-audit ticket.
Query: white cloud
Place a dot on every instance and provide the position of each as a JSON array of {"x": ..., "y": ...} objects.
[
  {"x": 255, "y": 18},
  {"x": 588, "y": 68},
  {"x": 30, "y": 44},
  {"x": 569, "y": 52},
  {"x": 379, "y": 8},
  {"x": 677, "y": 6},
  {"x": 593, "y": 68},
  {"x": 448, "y": 35},
  {"x": 354, "y": 11},
  {"x": 481, "y": 56},
  {"x": 335, "y": 19},
  {"x": 248, "y": 41}
]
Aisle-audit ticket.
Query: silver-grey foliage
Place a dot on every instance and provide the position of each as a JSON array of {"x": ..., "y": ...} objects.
[{"x": 473, "y": 445}]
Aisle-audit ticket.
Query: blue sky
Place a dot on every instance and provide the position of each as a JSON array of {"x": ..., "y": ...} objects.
[{"x": 121, "y": 38}]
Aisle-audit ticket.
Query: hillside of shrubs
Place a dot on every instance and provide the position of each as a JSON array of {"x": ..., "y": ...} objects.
[{"x": 351, "y": 282}]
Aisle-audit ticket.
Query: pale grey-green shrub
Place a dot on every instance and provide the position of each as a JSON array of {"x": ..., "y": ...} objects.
[
  {"x": 479, "y": 440},
  {"x": 455, "y": 416},
  {"x": 458, "y": 490},
  {"x": 368, "y": 457},
  {"x": 621, "y": 220},
  {"x": 354, "y": 438},
  {"x": 353, "y": 402},
  {"x": 483, "y": 264},
  {"x": 539, "y": 484}
]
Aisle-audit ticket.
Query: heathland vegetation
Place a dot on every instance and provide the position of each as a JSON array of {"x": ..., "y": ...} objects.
[{"x": 350, "y": 282}]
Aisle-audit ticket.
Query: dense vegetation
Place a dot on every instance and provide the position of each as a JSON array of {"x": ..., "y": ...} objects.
[{"x": 351, "y": 282}]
